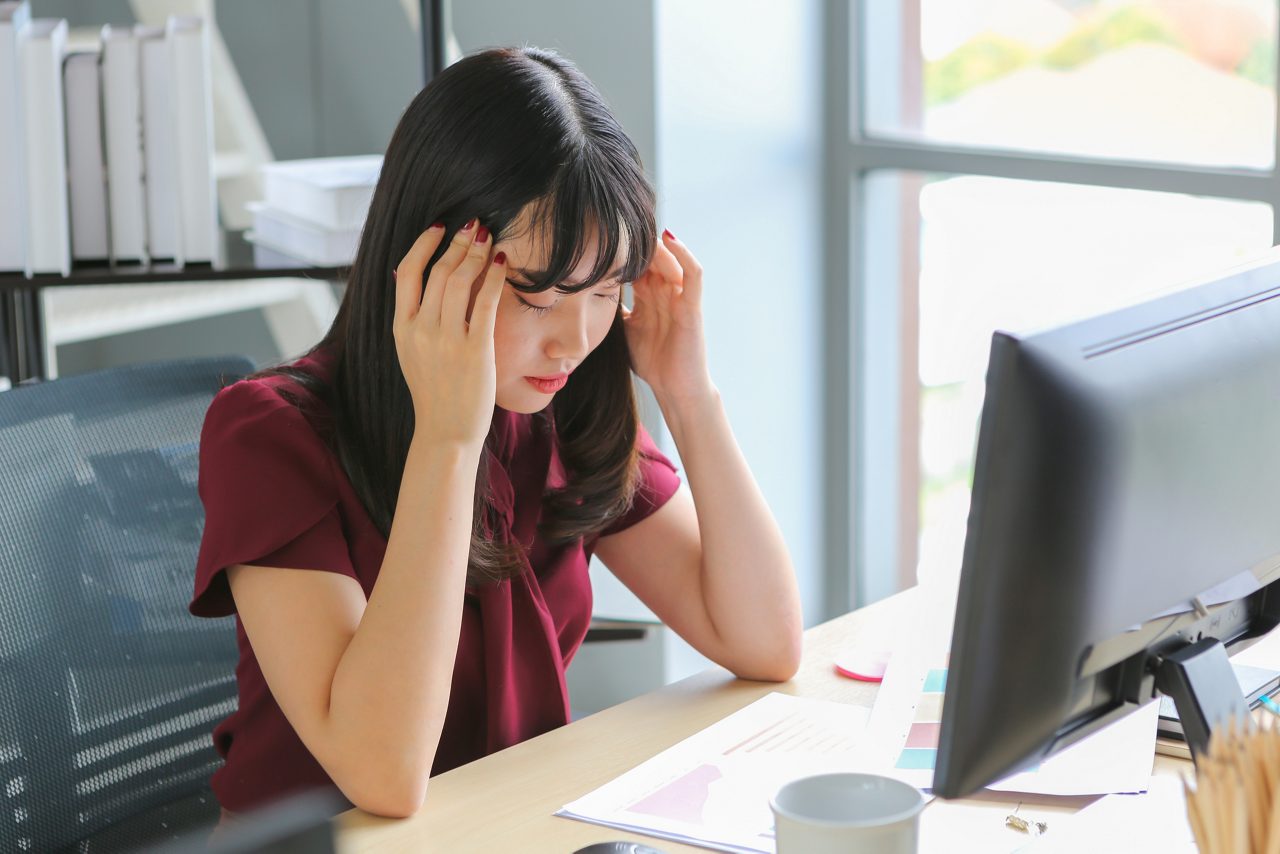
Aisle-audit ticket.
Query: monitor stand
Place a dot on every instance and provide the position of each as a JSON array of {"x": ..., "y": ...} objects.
[{"x": 1199, "y": 679}]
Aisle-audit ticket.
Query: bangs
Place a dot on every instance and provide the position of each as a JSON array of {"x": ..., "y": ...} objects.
[{"x": 605, "y": 198}]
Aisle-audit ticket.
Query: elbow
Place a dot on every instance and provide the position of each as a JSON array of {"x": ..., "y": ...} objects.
[
  {"x": 780, "y": 664},
  {"x": 781, "y": 671},
  {"x": 390, "y": 800},
  {"x": 390, "y": 786},
  {"x": 383, "y": 777},
  {"x": 785, "y": 670}
]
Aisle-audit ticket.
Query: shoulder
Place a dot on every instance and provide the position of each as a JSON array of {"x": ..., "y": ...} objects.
[
  {"x": 245, "y": 398},
  {"x": 267, "y": 404},
  {"x": 254, "y": 435},
  {"x": 258, "y": 396},
  {"x": 252, "y": 411}
]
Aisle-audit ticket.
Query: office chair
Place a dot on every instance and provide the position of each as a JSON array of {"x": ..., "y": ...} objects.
[{"x": 108, "y": 687}]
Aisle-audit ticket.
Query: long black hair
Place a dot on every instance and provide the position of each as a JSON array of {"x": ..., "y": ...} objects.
[{"x": 494, "y": 133}]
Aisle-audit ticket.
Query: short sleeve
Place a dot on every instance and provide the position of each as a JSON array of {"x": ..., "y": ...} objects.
[
  {"x": 658, "y": 482},
  {"x": 267, "y": 485}
]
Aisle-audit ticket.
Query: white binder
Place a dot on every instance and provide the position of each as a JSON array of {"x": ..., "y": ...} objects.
[
  {"x": 160, "y": 170},
  {"x": 122, "y": 126},
  {"x": 48, "y": 227},
  {"x": 193, "y": 126},
  {"x": 14, "y": 17},
  {"x": 86, "y": 170}
]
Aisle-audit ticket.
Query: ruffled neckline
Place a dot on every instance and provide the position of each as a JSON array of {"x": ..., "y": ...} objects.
[{"x": 525, "y": 454}]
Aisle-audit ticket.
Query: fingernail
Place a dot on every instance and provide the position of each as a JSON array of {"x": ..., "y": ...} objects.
[
  {"x": 393, "y": 274},
  {"x": 500, "y": 258},
  {"x": 471, "y": 222},
  {"x": 667, "y": 234},
  {"x": 436, "y": 225},
  {"x": 482, "y": 235}
]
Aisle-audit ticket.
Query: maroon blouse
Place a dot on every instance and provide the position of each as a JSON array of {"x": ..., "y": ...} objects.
[{"x": 275, "y": 495}]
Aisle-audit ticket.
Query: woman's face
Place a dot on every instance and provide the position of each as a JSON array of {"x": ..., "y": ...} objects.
[{"x": 544, "y": 335}]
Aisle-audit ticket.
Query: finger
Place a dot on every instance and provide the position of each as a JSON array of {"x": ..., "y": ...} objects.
[
  {"x": 408, "y": 285},
  {"x": 442, "y": 269},
  {"x": 457, "y": 292},
  {"x": 652, "y": 296},
  {"x": 692, "y": 281},
  {"x": 664, "y": 261},
  {"x": 485, "y": 313}
]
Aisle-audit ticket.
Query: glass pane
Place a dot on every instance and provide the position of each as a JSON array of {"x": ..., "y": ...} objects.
[
  {"x": 1024, "y": 255},
  {"x": 1189, "y": 81}
]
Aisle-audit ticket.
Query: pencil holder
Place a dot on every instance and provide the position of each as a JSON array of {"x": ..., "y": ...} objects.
[{"x": 1233, "y": 800}]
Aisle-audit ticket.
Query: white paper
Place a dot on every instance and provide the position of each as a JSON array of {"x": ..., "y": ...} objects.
[
  {"x": 713, "y": 788},
  {"x": 907, "y": 713},
  {"x": 1155, "y": 821}
]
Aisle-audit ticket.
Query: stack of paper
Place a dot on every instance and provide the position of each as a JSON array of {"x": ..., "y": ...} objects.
[{"x": 314, "y": 209}]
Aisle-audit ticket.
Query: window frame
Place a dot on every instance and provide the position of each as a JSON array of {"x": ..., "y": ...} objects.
[{"x": 872, "y": 424}]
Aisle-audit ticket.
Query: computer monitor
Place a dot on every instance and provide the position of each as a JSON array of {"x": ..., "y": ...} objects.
[{"x": 1124, "y": 525}]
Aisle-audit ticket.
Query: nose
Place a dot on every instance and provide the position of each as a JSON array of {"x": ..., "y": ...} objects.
[{"x": 569, "y": 340}]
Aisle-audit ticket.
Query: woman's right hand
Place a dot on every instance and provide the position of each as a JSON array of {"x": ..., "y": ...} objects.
[{"x": 447, "y": 362}]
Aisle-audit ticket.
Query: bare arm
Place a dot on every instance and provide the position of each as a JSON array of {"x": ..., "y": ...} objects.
[
  {"x": 368, "y": 689},
  {"x": 366, "y": 685},
  {"x": 712, "y": 563}
]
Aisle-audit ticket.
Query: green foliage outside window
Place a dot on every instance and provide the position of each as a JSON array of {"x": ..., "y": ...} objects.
[
  {"x": 1260, "y": 64},
  {"x": 987, "y": 57}
]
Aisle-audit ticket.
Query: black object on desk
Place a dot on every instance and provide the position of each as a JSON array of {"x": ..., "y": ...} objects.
[
  {"x": 1122, "y": 533},
  {"x": 1255, "y": 683}
]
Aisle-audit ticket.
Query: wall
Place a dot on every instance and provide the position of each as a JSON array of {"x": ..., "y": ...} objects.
[{"x": 722, "y": 100}]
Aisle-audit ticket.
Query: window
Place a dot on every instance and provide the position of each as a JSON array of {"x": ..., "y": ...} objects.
[{"x": 1018, "y": 164}]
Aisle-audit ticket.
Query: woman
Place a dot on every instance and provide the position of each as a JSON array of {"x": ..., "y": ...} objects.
[{"x": 401, "y": 520}]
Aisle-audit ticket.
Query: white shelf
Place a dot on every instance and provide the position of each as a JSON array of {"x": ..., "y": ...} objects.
[{"x": 83, "y": 313}]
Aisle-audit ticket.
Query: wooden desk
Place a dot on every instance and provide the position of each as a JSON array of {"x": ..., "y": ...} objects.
[{"x": 507, "y": 801}]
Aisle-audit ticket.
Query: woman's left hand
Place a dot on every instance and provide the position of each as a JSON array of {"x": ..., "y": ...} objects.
[{"x": 664, "y": 325}]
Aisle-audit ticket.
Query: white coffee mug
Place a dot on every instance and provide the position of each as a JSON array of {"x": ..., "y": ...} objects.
[{"x": 847, "y": 813}]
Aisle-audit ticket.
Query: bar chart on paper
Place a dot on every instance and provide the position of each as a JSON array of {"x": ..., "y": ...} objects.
[
  {"x": 920, "y": 749},
  {"x": 907, "y": 719}
]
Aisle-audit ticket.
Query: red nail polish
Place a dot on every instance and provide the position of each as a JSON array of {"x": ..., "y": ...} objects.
[
  {"x": 500, "y": 258},
  {"x": 471, "y": 222},
  {"x": 482, "y": 235},
  {"x": 436, "y": 225},
  {"x": 667, "y": 234},
  {"x": 393, "y": 274}
]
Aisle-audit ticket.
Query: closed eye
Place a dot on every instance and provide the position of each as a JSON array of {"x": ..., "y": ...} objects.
[
  {"x": 613, "y": 293},
  {"x": 536, "y": 309}
]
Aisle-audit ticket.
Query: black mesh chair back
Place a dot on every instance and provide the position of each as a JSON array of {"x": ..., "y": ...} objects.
[{"x": 108, "y": 687}]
